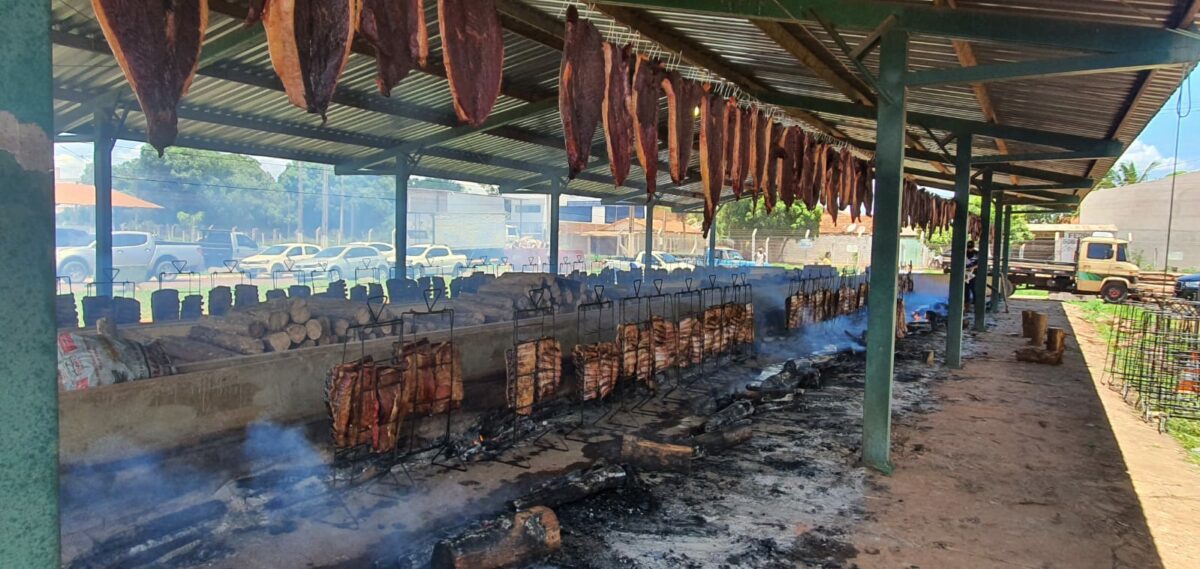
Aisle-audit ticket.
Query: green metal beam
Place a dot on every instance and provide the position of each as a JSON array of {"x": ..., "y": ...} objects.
[
  {"x": 495, "y": 121},
  {"x": 29, "y": 525},
  {"x": 998, "y": 229},
  {"x": 962, "y": 23},
  {"x": 981, "y": 267},
  {"x": 885, "y": 252},
  {"x": 1041, "y": 68},
  {"x": 1046, "y": 156},
  {"x": 948, "y": 124},
  {"x": 404, "y": 166},
  {"x": 958, "y": 253}
]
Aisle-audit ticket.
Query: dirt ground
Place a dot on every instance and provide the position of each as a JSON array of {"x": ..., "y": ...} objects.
[{"x": 1032, "y": 466}]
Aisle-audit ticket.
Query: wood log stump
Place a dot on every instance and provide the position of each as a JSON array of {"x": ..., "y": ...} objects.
[
  {"x": 299, "y": 311},
  {"x": 508, "y": 541},
  {"x": 572, "y": 487},
  {"x": 1038, "y": 323},
  {"x": 1026, "y": 323},
  {"x": 232, "y": 342},
  {"x": 714, "y": 442},
  {"x": 297, "y": 333},
  {"x": 277, "y": 320},
  {"x": 1056, "y": 340},
  {"x": 315, "y": 329},
  {"x": 655, "y": 456},
  {"x": 1039, "y": 356}
]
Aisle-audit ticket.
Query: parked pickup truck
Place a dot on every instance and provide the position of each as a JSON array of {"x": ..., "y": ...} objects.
[
  {"x": 726, "y": 257},
  {"x": 138, "y": 255},
  {"x": 658, "y": 260},
  {"x": 435, "y": 260},
  {"x": 220, "y": 245},
  {"x": 1101, "y": 267},
  {"x": 1188, "y": 287}
]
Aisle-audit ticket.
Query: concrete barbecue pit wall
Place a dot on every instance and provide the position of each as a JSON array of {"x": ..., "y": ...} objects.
[{"x": 207, "y": 400}]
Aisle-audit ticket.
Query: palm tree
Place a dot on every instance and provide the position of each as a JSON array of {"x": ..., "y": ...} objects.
[{"x": 1127, "y": 173}]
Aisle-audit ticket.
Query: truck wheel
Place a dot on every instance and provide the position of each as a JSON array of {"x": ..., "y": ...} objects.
[
  {"x": 1114, "y": 292},
  {"x": 162, "y": 266}
]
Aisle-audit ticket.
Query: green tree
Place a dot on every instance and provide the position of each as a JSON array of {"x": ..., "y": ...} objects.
[
  {"x": 1127, "y": 174},
  {"x": 361, "y": 204},
  {"x": 1020, "y": 228},
  {"x": 738, "y": 219}
]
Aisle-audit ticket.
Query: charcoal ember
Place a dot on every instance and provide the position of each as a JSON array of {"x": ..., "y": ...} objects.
[
  {"x": 574, "y": 486},
  {"x": 710, "y": 403},
  {"x": 739, "y": 410},
  {"x": 716, "y": 441},
  {"x": 512, "y": 540},
  {"x": 795, "y": 375}
]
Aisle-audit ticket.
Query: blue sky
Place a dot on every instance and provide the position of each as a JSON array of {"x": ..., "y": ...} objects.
[{"x": 1157, "y": 141}]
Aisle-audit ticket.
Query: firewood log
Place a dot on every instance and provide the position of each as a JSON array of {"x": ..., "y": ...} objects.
[
  {"x": 1056, "y": 339},
  {"x": 1026, "y": 323},
  {"x": 315, "y": 329},
  {"x": 513, "y": 540},
  {"x": 572, "y": 487},
  {"x": 1039, "y": 356},
  {"x": 716, "y": 441},
  {"x": 299, "y": 311},
  {"x": 278, "y": 341},
  {"x": 297, "y": 333},
  {"x": 340, "y": 326},
  {"x": 655, "y": 456},
  {"x": 232, "y": 342}
]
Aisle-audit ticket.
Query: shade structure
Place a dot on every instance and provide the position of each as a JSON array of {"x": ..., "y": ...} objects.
[{"x": 70, "y": 193}]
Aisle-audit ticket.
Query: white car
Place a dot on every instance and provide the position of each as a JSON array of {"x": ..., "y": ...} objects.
[
  {"x": 277, "y": 258},
  {"x": 345, "y": 262},
  {"x": 386, "y": 249},
  {"x": 435, "y": 259}
]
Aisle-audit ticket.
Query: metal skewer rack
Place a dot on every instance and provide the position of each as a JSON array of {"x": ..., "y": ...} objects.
[
  {"x": 106, "y": 306},
  {"x": 447, "y": 406},
  {"x": 531, "y": 325},
  {"x": 712, "y": 303},
  {"x": 595, "y": 323},
  {"x": 231, "y": 268},
  {"x": 740, "y": 293},
  {"x": 689, "y": 305},
  {"x": 533, "y": 266},
  {"x": 635, "y": 318}
]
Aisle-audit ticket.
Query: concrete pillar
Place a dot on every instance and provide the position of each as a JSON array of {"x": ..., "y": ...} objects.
[
  {"x": 403, "y": 172},
  {"x": 102, "y": 148},
  {"x": 981, "y": 269},
  {"x": 998, "y": 225},
  {"x": 885, "y": 252},
  {"x": 555, "y": 193},
  {"x": 28, "y": 368},
  {"x": 958, "y": 251},
  {"x": 1007, "y": 250}
]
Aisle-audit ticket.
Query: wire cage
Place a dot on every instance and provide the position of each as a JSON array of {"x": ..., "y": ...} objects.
[
  {"x": 436, "y": 366},
  {"x": 1154, "y": 358},
  {"x": 122, "y": 307},
  {"x": 595, "y": 357},
  {"x": 533, "y": 367}
]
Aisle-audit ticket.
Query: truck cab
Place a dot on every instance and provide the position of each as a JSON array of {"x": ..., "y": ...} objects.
[{"x": 1102, "y": 267}]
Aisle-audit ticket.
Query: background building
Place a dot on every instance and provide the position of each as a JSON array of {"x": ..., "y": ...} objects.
[{"x": 1141, "y": 212}]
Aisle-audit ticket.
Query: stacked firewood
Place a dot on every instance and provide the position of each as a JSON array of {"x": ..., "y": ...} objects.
[
  {"x": 804, "y": 308},
  {"x": 367, "y": 403},
  {"x": 534, "y": 370},
  {"x": 596, "y": 368}
]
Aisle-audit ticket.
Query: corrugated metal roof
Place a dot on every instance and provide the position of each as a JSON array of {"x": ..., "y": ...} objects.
[{"x": 236, "y": 102}]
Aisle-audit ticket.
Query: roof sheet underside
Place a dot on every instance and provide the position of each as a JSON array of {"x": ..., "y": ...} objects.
[{"x": 236, "y": 102}]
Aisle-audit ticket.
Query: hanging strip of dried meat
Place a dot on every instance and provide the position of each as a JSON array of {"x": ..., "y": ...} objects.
[
  {"x": 647, "y": 79},
  {"x": 731, "y": 112},
  {"x": 713, "y": 127},
  {"x": 396, "y": 29},
  {"x": 787, "y": 166},
  {"x": 805, "y": 165},
  {"x": 770, "y": 163},
  {"x": 473, "y": 51},
  {"x": 618, "y": 124},
  {"x": 309, "y": 41},
  {"x": 581, "y": 94},
  {"x": 741, "y": 150},
  {"x": 157, "y": 45},
  {"x": 683, "y": 95},
  {"x": 754, "y": 159}
]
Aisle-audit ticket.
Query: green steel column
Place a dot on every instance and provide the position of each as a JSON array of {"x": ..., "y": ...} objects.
[
  {"x": 885, "y": 252},
  {"x": 981, "y": 268},
  {"x": 102, "y": 148},
  {"x": 1007, "y": 241},
  {"x": 998, "y": 239},
  {"x": 28, "y": 366},
  {"x": 403, "y": 170},
  {"x": 710, "y": 257},
  {"x": 649, "y": 232},
  {"x": 958, "y": 251},
  {"x": 554, "y": 207}
]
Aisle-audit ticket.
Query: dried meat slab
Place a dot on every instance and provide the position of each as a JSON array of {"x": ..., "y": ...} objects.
[
  {"x": 396, "y": 29},
  {"x": 618, "y": 123},
  {"x": 309, "y": 41},
  {"x": 683, "y": 95},
  {"x": 647, "y": 87},
  {"x": 713, "y": 128},
  {"x": 473, "y": 51},
  {"x": 741, "y": 150},
  {"x": 157, "y": 45},
  {"x": 581, "y": 94}
]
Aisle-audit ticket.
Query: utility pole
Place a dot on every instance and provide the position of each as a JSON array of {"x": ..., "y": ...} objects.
[{"x": 299, "y": 203}]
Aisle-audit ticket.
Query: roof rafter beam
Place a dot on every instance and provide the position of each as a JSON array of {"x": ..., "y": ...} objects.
[
  {"x": 493, "y": 122},
  {"x": 1043, "y": 157},
  {"x": 968, "y": 24},
  {"x": 1059, "y": 67}
]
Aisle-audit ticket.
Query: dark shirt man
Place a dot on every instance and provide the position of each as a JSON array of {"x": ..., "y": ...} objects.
[{"x": 972, "y": 263}]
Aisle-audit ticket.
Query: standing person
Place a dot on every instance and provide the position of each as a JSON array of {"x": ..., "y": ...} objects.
[
  {"x": 972, "y": 263},
  {"x": 760, "y": 257},
  {"x": 827, "y": 260}
]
